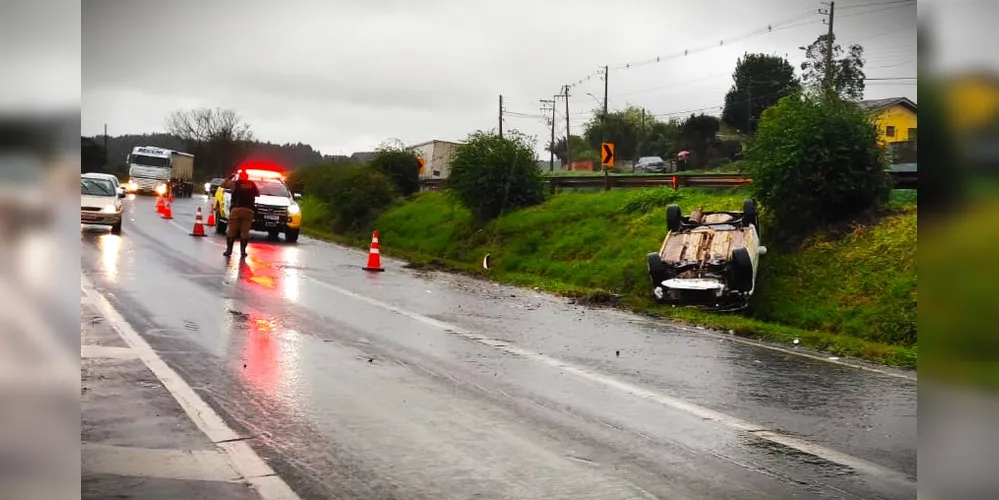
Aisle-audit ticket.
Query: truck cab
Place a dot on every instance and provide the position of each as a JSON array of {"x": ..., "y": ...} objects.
[
  {"x": 160, "y": 171},
  {"x": 276, "y": 210}
]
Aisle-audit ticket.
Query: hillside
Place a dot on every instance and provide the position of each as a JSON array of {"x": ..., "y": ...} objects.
[{"x": 292, "y": 155}]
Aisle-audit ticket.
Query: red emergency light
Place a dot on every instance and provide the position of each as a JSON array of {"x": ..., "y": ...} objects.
[{"x": 261, "y": 170}]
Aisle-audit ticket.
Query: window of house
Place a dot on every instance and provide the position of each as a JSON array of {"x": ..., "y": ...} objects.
[
  {"x": 912, "y": 134},
  {"x": 890, "y": 131}
]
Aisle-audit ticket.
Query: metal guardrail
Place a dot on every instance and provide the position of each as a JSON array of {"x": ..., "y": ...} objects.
[{"x": 903, "y": 180}]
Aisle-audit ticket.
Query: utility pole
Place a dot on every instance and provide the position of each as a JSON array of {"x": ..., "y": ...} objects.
[
  {"x": 568, "y": 137},
  {"x": 551, "y": 150},
  {"x": 501, "y": 116},
  {"x": 828, "y": 77},
  {"x": 749, "y": 107},
  {"x": 643, "y": 120},
  {"x": 603, "y": 133}
]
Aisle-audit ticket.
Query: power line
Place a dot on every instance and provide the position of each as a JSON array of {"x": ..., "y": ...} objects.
[
  {"x": 873, "y": 4},
  {"x": 757, "y": 32},
  {"x": 874, "y": 11}
]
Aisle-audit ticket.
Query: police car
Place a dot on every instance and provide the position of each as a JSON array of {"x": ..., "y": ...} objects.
[{"x": 276, "y": 210}]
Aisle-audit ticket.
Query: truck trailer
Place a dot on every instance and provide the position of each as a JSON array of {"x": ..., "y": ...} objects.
[
  {"x": 160, "y": 171},
  {"x": 436, "y": 156}
]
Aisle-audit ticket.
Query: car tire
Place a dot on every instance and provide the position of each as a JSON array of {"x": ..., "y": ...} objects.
[
  {"x": 749, "y": 214},
  {"x": 116, "y": 228},
  {"x": 658, "y": 272},
  {"x": 291, "y": 235},
  {"x": 673, "y": 217},
  {"x": 741, "y": 278}
]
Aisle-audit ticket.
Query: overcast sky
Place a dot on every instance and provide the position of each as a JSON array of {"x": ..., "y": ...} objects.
[{"x": 345, "y": 76}]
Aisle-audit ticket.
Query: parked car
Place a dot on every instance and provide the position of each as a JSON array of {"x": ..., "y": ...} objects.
[
  {"x": 708, "y": 259},
  {"x": 212, "y": 186},
  {"x": 100, "y": 203},
  {"x": 650, "y": 164}
]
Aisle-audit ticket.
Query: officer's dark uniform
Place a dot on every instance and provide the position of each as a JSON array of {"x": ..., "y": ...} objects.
[{"x": 241, "y": 204}]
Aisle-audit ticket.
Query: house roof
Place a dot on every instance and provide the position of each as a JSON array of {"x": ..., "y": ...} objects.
[{"x": 878, "y": 104}]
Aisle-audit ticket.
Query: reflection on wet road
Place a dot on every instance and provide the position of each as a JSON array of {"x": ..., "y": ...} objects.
[{"x": 407, "y": 385}]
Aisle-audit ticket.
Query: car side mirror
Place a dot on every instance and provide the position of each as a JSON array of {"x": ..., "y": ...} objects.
[
  {"x": 121, "y": 194},
  {"x": 297, "y": 196}
]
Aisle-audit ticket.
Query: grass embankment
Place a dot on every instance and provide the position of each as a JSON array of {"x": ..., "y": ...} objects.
[{"x": 852, "y": 295}]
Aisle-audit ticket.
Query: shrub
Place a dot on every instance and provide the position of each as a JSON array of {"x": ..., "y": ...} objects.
[
  {"x": 490, "y": 175},
  {"x": 816, "y": 160},
  {"x": 401, "y": 166},
  {"x": 352, "y": 195}
]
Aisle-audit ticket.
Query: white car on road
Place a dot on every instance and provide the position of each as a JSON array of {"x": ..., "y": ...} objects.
[{"x": 100, "y": 202}]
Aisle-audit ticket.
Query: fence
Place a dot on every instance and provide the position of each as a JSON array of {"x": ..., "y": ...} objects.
[{"x": 903, "y": 180}]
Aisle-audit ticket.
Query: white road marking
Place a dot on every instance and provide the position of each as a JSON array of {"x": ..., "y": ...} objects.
[
  {"x": 662, "y": 399},
  {"x": 103, "y": 351},
  {"x": 241, "y": 456},
  {"x": 198, "y": 465}
]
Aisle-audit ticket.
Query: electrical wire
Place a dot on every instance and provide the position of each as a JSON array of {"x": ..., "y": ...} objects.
[{"x": 786, "y": 24}]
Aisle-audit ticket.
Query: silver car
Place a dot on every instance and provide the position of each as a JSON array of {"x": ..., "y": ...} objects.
[{"x": 650, "y": 164}]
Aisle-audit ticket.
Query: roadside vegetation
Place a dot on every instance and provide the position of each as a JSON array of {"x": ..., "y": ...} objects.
[{"x": 839, "y": 276}]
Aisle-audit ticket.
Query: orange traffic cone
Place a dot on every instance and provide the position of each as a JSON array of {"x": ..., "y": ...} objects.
[
  {"x": 159, "y": 205},
  {"x": 199, "y": 227},
  {"x": 211, "y": 218},
  {"x": 167, "y": 211},
  {"x": 374, "y": 256}
]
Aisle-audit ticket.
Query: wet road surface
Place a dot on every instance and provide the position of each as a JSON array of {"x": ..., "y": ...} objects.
[{"x": 413, "y": 385}]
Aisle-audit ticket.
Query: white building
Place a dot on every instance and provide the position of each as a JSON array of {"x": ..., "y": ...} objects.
[{"x": 437, "y": 156}]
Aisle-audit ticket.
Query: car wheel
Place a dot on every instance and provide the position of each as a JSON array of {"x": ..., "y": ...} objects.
[
  {"x": 291, "y": 235},
  {"x": 741, "y": 270},
  {"x": 658, "y": 272},
  {"x": 749, "y": 215},
  {"x": 673, "y": 217},
  {"x": 116, "y": 229}
]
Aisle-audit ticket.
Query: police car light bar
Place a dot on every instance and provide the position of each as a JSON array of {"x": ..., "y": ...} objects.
[{"x": 263, "y": 174}]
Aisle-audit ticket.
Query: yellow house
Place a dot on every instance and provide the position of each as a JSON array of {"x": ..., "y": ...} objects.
[
  {"x": 896, "y": 118},
  {"x": 973, "y": 100}
]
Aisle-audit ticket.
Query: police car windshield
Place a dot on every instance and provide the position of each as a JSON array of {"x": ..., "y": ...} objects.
[{"x": 272, "y": 188}]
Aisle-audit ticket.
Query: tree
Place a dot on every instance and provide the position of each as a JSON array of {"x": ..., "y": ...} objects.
[
  {"x": 760, "y": 80},
  {"x": 400, "y": 165},
  {"x": 218, "y": 137},
  {"x": 623, "y": 128},
  {"x": 844, "y": 78},
  {"x": 698, "y": 134},
  {"x": 659, "y": 139},
  {"x": 91, "y": 155},
  {"x": 579, "y": 147},
  {"x": 816, "y": 161},
  {"x": 490, "y": 175}
]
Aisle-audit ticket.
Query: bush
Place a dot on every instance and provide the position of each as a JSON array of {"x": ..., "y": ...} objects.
[
  {"x": 814, "y": 161},
  {"x": 490, "y": 175},
  {"x": 401, "y": 166},
  {"x": 352, "y": 195}
]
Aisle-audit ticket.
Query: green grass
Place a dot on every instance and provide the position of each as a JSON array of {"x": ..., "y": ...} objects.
[{"x": 852, "y": 296}]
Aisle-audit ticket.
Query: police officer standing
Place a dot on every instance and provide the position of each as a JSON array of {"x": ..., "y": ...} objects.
[{"x": 242, "y": 201}]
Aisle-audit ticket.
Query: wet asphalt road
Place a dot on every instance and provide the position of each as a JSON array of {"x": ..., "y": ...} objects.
[{"x": 412, "y": 385}]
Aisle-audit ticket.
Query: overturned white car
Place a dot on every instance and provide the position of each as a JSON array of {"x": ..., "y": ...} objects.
[{"x": 708, "y": 259}]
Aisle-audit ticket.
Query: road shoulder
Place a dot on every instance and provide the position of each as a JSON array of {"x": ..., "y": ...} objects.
[{"x": 138, "y": 440}]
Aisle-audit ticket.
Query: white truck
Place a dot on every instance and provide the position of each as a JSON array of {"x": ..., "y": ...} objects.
[
  {"x": 436, "y": 158},
  {"x": 159, "y": 170}
]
